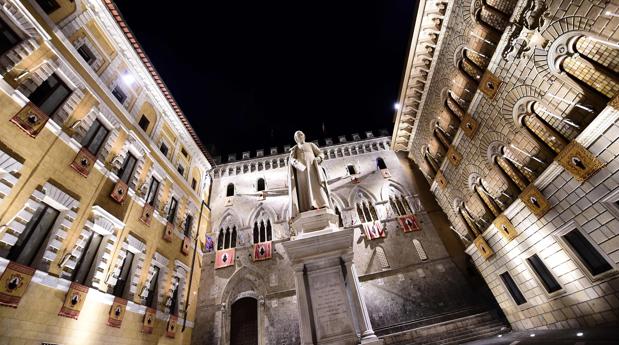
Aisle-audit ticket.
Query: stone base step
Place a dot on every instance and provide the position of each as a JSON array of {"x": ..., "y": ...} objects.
[{"x": 455, "y": 331}]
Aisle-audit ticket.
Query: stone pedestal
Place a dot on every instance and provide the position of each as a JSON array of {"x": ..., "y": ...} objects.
[{"x": 331, "y": 308}]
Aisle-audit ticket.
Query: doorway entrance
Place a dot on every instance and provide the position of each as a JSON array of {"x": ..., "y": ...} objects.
[{"x": 244, "y": 322}]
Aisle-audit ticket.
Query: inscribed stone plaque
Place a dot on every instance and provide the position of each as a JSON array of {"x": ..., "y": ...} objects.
[{"x": 332, "y": 317}]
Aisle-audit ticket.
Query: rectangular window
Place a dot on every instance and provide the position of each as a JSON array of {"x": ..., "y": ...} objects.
[
  {"x": 513, "y": 289},
  {"x": 194, "y": 183},
  {"x": 172, "y": 210},
  {"x": 95, "y": 137},
  {"x": 84, "y": 266},
  {"x": 164, "y": 149},
  {"x": 121, "y": 283},
  {"x": 548, "y": 280},
  {"x": 31, "y": 241},
  {"x": 144, "y": 123},
  {"x": 188, "y": 224},
  {"x": 181, "y": 170},
  {"x": 86, "y": 54},
  {"x": 126, "y": 171},
  {"x": 184, "y": 152},
  {"x": 48, "y": 6},
  {"x": 174, "y": 301},
  {"x": 50, "y": 95},
  {"x": 119, "y": 94},
  {"x": 151, "y": 300},
  {"x": 152, "y": 192},
  {"x": 8, "y": 38},
  {"x": 588, "y": 255}
]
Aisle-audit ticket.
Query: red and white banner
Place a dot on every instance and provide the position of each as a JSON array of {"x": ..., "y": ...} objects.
[
  {"x": 171, "y": 328},
  {"x": 409, "y": 223},
  {"x": 262, "y": 251},
  {"x": 117, "y": 312},
  {"x": 13, "y": 283},
  {"x": 74, "y": 301},
  {"x": 373, "y": 230},
  {"x": 149, "y": 321},
  {"x": 224, "y": 258}
]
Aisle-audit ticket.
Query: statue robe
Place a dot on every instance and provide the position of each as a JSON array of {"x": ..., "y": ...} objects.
[{"x": 308, "y": 188}]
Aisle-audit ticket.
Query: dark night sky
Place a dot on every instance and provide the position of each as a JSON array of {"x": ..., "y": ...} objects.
[{"x": 249, "y": 73}]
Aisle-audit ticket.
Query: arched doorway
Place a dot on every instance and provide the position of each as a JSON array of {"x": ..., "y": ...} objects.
[{"x": 244, "y": 322}]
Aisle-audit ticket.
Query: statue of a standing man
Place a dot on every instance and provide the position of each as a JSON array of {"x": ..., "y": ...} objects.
[{"x": 307, "y": 180}]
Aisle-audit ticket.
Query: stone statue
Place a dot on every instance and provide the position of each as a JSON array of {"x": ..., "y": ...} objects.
[{"x": 307, "y": 182}]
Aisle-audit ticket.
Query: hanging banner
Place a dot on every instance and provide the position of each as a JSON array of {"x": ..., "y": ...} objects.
[
  {"x": 119, "y": 192},
  {"x": 147, "y": 214},
  {"x": 408, "y": 223},
  {"x": 209, "y": 245},
  {"x": 13, "y": 283},
  {"x": 83, "y": 162},
  {"x": 262, "y": 251},
  {"x": 149, "y": 321},
  {"x": 74, "y": 301},
  {"x": 373, "y": 230},
  {"x": 171, "y": 329},
  {"x": 186, "y": 245},
  {"x": 30, "y": 119},
  {"x": 224, "y": 258},
  {"x": 117, "y": 312},
  {"x": 168, "y": 231}
]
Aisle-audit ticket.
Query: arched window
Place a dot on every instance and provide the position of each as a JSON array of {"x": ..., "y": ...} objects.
[
  {"x": 261, "y": 185},
  {"x": 510, "y": 173},
  {"x": 340, "y": 222},
  {"x": 486, "y": 199},
  {"x": 220, "y": 240},
  {"x": 233, "y": 238},
  {"x": 380, "y": 163},
  {"x": 593, "y": 66},
  {"x": 399, "y": 205},
  {"x": 227, "y": 238},
  {"x": 230, "y": 189},
  {"x": 544, "y": 133},
  {"x": 420, "y": 251},
  {"x": 470, "y": 225},
  {"x": 263, "y": 231},
  {"x": 351, "y": 169},
  {"x": 366, "y": 212}
]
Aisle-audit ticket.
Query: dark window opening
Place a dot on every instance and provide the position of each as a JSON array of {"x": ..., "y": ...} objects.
[
  {"x": 48, "y": 6},
  {"x": 194, "y": 183},
  {"x": 188, "y": 225},
  {"x": 184, "y": 152},
  {"x": 220, "y": 240},
  {"x": 261, "y": 185},
  {"x": 351, "y": 169},
  {"x": 164, "y": 149},
  {"x": 513, "y": 289},
  {"x": 95, "y": 137},
  {"x": 31, "y": 241},
  {"x": 340, "y": 222},
  {"x": 181, "y": 170},
  {"x": 588, "y": 255},
  {"x": 381, "y": 163},
  {"x": 153, "y": 189},
  {"x": 151, "y": 300},
  {"x": 86, "y": 54},
  {"x": 8, "y": 38},
  {"x": 119, "y": 94},
  {"x": 542, "y": 272},
  {"x": 126, "y": 171},
  {"x": 233, "y": 238},
  {"x": 50, "y": 95},
  {"x": 227, "y": 239},
  {"x": 121, "y": 283},
  {"x": 230, "y": 190},
  {"x": 84, "y": 266},
  {"x": 172, "y": 210},
  {"x": 174, "y": 298},
  {"x": 144, "y": 123}
]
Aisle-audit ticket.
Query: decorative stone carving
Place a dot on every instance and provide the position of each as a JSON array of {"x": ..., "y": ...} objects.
[{"x": 489, "y": 84}]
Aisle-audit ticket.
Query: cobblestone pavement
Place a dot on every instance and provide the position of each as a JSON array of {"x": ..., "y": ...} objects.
[{"x": 566, "y": 336}]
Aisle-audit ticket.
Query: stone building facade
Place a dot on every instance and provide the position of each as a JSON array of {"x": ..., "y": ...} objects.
[
  {"x": 101, "y": 183},
  {"x": 405, "y": 277},
  {"x": 510, "y": 109}
]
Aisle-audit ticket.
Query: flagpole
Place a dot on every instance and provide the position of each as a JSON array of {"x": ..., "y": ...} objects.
[{"x": 193, "y": 262}]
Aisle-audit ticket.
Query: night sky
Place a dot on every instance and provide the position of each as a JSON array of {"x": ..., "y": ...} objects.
[{"x": 248, "y": 74}]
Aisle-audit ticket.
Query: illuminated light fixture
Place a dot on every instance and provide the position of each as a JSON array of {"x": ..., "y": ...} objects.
[
  {"x": 396, "y": 106},
  {"x": 580, "y": 334},
  {"x": 610, "y": 14},
  {"x": 481, "y": 38},
  {"x": 532, "y": 335},
  {"x": 500, "y": 335},
  {"x": 128, "y": 79}
]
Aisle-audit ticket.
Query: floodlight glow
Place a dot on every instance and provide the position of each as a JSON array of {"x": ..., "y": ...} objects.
[
  {"x": 396, "y": 106},
  {"x": 579, "y": 334},
  {"x": 532, "y": 335},
  {"x": 128, "y": 79}
]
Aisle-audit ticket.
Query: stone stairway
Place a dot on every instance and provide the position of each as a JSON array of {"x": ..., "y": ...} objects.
[{"x": 455, "y": 331}]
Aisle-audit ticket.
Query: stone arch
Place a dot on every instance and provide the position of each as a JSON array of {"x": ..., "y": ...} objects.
[
  {"x": 358, "y": 193},
  {"x": 230, "y": 217},
  {"x": 488, "y": 141},
  {"x": 473, "y": 174},
  {"x": 259, "y": 211},
  {"x": 247, "y": 278},
  {"x": 338, "y": 201},
  {"x": 148, "y": 110},
  {"x": 515, "y": 97},
  {"x": 389, "y": 187}
]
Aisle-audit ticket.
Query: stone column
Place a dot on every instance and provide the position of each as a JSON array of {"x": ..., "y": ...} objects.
[
  {"x": 304, "y": 313},
  {"x": 365, "y": 326}
]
